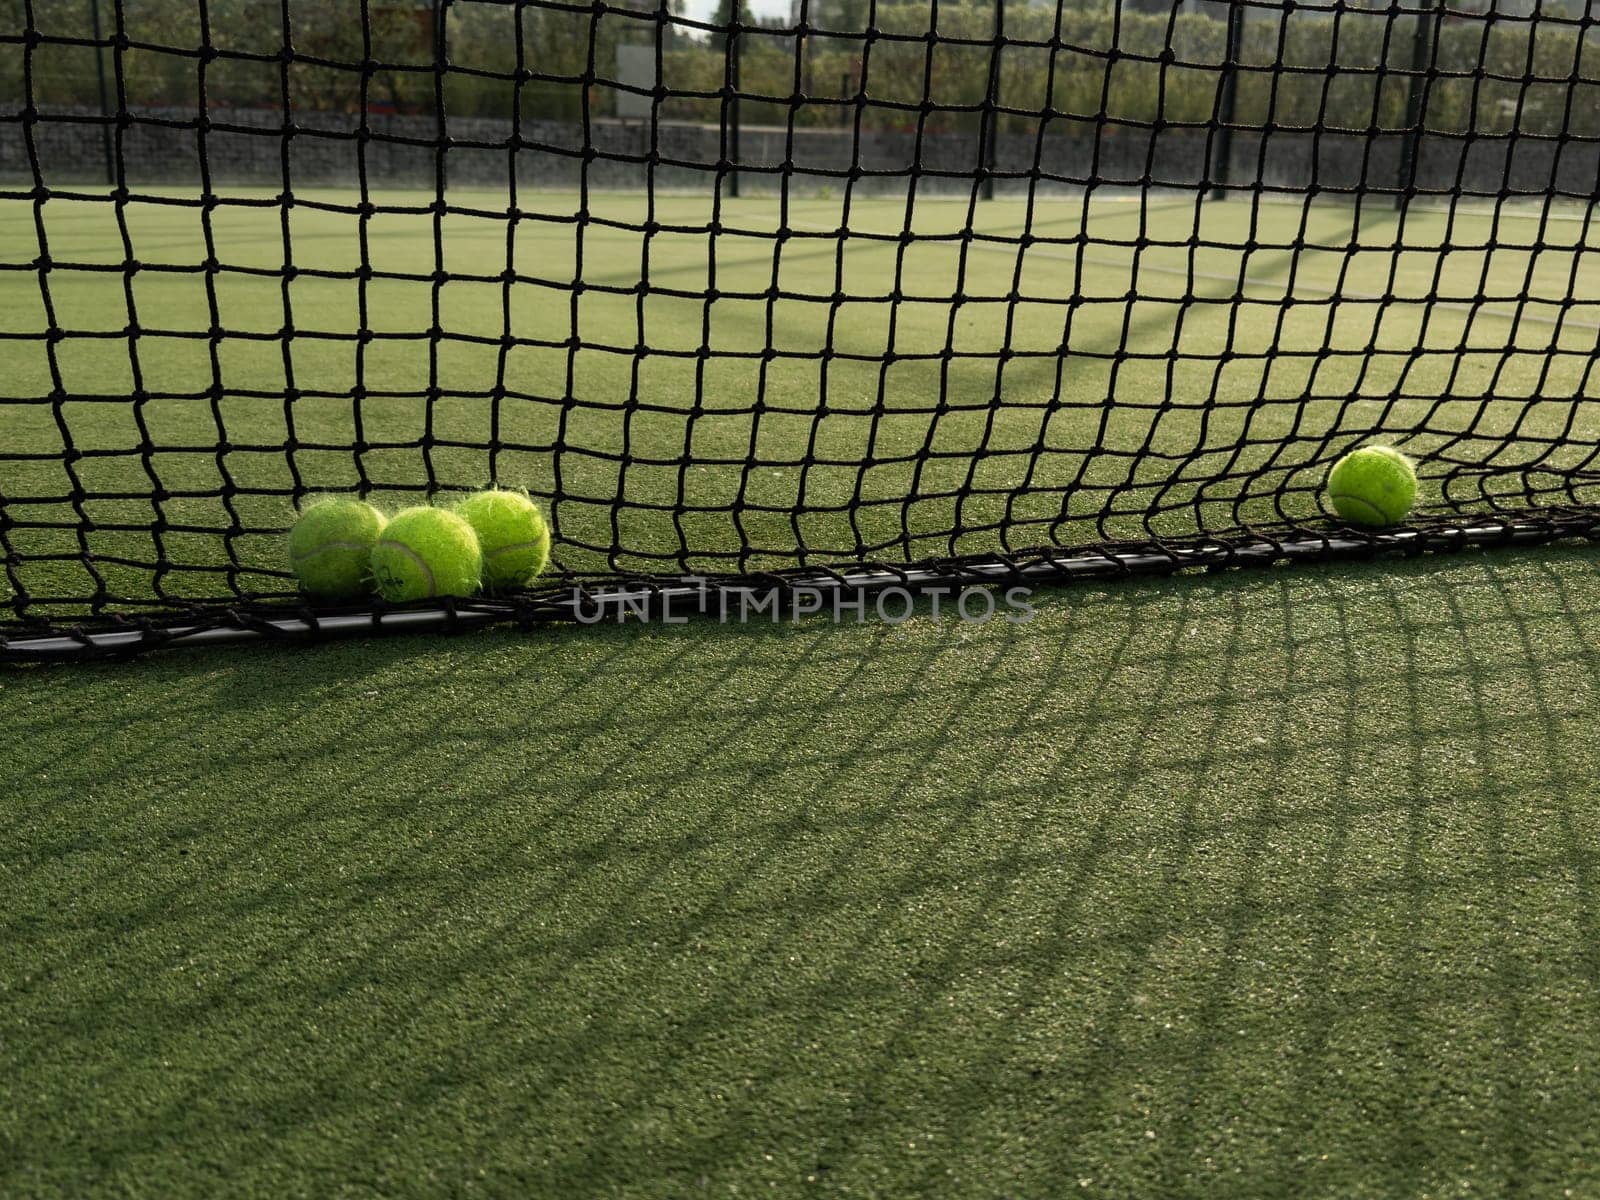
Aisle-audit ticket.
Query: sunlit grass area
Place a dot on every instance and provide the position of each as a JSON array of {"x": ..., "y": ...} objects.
[{"x": 741, "y": 384}]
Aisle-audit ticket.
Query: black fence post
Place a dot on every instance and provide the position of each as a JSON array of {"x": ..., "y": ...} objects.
[
  {"x": 441, "y": 53},
  {"x": 735, "y": 54},
  {"x": 105, "y": 104},
  {"x": 1423, "y": 38},
  {"x": 991, "y": 115},
  {"x": 1228, "y": 102}
]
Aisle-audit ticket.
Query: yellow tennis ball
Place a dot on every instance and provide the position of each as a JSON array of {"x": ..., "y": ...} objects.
[
  {"x": 1373, "y": 486},
  {"x": 513, "y": 534},
  {"x": 426, "y": 552},
  {"x": 330, "y": 547}
]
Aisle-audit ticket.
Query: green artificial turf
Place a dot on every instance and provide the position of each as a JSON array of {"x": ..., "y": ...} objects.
[{"x": 1260, "y": 884}]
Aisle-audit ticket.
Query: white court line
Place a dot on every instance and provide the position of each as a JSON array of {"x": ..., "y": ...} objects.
[{"x": 1318, "y": 292}]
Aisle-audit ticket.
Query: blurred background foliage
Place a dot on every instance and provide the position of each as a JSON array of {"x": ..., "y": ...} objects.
[{"x": 925, "y": 64}]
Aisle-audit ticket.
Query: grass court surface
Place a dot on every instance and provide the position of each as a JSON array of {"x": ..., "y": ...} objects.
[
  {"x": 1080, "y": 391},
  {"x": 1257, "y": 884},
  {"x": 1251, "y": 884}
]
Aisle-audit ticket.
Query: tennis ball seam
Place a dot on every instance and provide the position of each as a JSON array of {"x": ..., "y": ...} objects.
[
  {"x": 427, "y": 571},
  {"x": 1338, "y": 497},
  {"x": 323, "y": 547}
]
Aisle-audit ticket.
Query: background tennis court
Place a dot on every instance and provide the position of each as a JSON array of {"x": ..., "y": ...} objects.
[{"x": 1106, "y": 378}]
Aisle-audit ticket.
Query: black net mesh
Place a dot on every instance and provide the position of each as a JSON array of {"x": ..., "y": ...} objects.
[{"x": 743, "y": 291}]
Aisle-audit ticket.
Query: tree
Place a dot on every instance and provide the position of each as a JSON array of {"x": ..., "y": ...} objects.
[{"x": 729, "y": 12}]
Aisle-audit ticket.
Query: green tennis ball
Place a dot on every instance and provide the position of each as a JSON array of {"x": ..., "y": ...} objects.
[
  {"x": 513, "y": 534},
  {"x": 330, "y": 547},
  {"x": 1373, "y": 486},
  {"x": 426, "y": 552}
]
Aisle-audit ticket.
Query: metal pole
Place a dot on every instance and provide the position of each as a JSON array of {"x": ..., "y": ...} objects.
[
  {"x": 991, "y": 116},
  {"x": 105, "y": 105},
  {"x": 1416, "y": 102},
  {"x": 1227, "y": 110},
  {"x": 440, "y": 50},
  {"x": 735, "y": 53}
]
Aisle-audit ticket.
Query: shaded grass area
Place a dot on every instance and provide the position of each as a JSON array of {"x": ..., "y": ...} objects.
[
  {"x": 1134, "y": 371},
  {"x": 1255, "y": 884}
]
